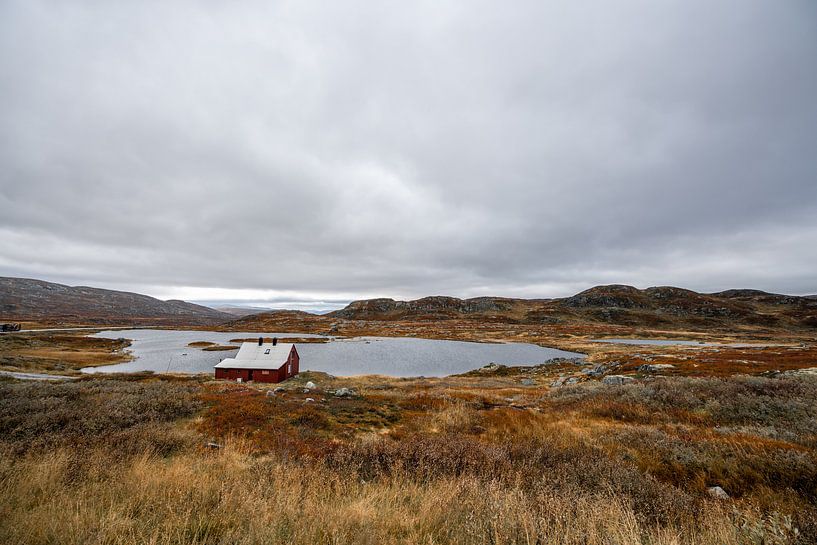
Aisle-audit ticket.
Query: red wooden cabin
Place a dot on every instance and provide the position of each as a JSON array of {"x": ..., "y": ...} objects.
[{"x": 261, "y": 362}]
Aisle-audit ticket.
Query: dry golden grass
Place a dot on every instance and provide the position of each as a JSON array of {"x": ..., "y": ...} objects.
[
  {"x": 122, "y": 460},
  {"x": 231, "y": 496}
]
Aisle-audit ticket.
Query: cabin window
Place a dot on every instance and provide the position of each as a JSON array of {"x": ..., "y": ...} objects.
[
  {"x": 289, "y": 368},
  {"x": 266, "y": 351},
  {"x": 265, "y": 372}
]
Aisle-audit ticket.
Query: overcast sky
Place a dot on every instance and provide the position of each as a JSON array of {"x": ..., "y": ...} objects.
[{"x": 315, "y": 152}]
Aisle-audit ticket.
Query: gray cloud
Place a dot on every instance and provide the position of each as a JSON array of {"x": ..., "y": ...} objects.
[{"x": 359, "y": 149}]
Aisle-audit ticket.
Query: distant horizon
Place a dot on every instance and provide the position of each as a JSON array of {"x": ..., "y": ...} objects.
[{"x": 317, "y": 306}]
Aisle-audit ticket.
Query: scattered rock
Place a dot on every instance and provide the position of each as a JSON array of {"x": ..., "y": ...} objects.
[
  {"x": 279, "y": 389},
  {"x": 527, "y": 382},
  {"x": 309, "y": 400},
  {"x": 617, "y": 380},
  {"x": 344, "y": 392},
  {"x": 307, "y": 390},
  {"x": 572, "y": 380},
  {"x": 811, "y": 371},
  {"x": 559, "y": 382},
  {"x": 597, "y": 371},
  {"x": 311, "y": 385},
  {"x": 270, "y": 393},
  {"x": 717, "y": 492},
  {"x": 653, "y": 367},
  {"x": 574, "y": 361},
  {"x": 490, "y": 368},
  {"x": 212, "y": 445}
]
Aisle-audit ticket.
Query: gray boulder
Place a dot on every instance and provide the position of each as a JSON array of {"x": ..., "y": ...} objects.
[
  {"x": 309, "y": 400},
  {"x": 653, "y": 367},
  {"x": 344, "y": 392},
  {"x": 490, "y": 368},
  {"x": 270, "y": 393},
  {"x": 311, "y": 385},
  {"x": 527, "y": 382},
  {"x": 717, "y": 492},
  {"x": 564, "y": 381},
  {"x": 617, "y": 380},
  {"x": 597, "y": 371}
]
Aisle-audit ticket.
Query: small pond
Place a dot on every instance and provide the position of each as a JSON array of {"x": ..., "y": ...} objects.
[
  {"x": 677, "y": 342},
  {"x": 166, "y": 350}
]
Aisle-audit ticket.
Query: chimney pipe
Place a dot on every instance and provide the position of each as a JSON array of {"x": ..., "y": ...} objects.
[
  {"x": 274, "y": 341},
  {"x": 260, "y": 341}
]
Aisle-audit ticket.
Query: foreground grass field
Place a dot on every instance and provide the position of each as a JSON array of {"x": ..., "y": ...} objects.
[{"x": 456, "y": 460}]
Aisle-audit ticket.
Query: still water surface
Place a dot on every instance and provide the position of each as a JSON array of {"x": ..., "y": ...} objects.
[
  {"x": 166, "y": 350},
  {"x": 679, "y": 342}
]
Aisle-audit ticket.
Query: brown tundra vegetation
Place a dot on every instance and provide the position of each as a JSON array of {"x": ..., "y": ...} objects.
[{"x": 470, "y": 459}]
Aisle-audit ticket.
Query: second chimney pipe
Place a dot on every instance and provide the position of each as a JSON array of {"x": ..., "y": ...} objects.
[
  {"x": 274, "y": 341},
  {"x": 260, "y": 341}
]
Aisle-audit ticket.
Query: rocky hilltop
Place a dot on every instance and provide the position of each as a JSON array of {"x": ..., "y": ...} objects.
[
  {"x": 616, "y": 304},
  {"x": 435, "y": 306},
  {"x": 24, "y": 299}
]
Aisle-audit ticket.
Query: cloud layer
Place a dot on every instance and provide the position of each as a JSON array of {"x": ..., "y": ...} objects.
[{"x": 327, "y": 151}]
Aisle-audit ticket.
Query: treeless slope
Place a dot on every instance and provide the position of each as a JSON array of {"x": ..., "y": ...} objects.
[
  {"x": 435, "y": 308},
  {"x": 281, "y": 321},
  {"x": 23, "y": 299},
  {"x": 616, "y": 304}
]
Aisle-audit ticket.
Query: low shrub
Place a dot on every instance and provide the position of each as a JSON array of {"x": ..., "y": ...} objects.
[{"x": 36, "y": 415}]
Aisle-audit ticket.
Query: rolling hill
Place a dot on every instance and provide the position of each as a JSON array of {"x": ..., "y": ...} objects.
[
  {"x": 666, "y": 307},
  {"x": 24, "y": 299}
]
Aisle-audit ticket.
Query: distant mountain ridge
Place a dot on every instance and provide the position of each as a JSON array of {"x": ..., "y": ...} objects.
[
  {"x": 616, "y": 303},
  {"x": 25, "y": 299}
]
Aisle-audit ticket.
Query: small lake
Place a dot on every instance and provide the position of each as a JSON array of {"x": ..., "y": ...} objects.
[
  {"x": 678, "y": 342},
  {"x": 164, "y": 351}
]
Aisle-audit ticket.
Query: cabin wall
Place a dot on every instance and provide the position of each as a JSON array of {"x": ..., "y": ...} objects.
[
  {"x": 291, "y": 368},
  {"x": 296, "y": 363},
  {"x": 233, "y": 374},
  {"x": 266, "y": 375},
  {"x": 256, "y": 375}
]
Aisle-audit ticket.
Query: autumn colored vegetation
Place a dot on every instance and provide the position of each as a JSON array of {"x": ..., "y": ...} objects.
[
  {"x": 125, "y": 459},
  {"x": 58, "y": 352}
]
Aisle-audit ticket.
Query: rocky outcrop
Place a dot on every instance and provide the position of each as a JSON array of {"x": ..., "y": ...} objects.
[
  {"x": 617, "y": 380},
  {"x": 655, "y": 367},
  {"x": 386, "y": 308},
  {"x": 616, "y": 295}
]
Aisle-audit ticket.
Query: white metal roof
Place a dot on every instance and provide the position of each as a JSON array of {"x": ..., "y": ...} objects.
[{"x": 255, "y": 356}]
